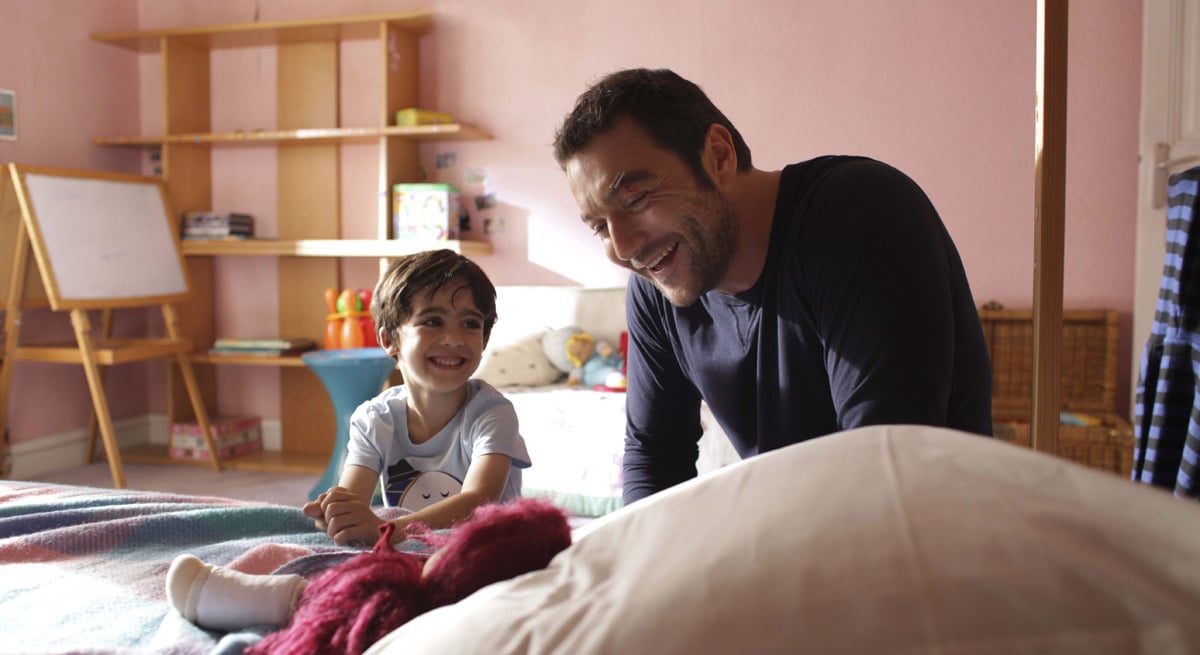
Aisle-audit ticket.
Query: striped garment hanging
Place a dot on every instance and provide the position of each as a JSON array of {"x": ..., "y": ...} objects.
[{"x": 1167, "y": 413}]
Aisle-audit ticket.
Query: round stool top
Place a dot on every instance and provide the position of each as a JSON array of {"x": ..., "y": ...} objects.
[{"x": 344, "y": 357}]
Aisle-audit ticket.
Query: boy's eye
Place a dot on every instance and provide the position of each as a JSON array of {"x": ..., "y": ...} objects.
[
  {"x": 472, "y": 324},
  {"x": 432, "y": 321}
]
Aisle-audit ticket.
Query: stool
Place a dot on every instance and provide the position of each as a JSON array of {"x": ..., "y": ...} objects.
[{"x": 351, "y": 377}]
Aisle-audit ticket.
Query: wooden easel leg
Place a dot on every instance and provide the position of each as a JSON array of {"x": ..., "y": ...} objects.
[
  {"x": 9, "y": 338},
  {"x": 6, "y": 375},
  {"x": 96, "y": 383},
  {"x": 94, "y": 424},
  {"x": 193, "y": 391},
  {"x": 193, "y": 387}
]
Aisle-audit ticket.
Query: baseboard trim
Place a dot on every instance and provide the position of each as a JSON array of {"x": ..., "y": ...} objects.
[{"x": 66, "y": 450}]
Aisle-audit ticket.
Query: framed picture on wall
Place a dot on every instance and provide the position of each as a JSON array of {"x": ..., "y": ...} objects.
[{"x": 8, "y": 115}]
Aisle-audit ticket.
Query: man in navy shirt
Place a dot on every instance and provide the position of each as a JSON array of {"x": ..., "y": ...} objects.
[{"x": 796, "y": 303}]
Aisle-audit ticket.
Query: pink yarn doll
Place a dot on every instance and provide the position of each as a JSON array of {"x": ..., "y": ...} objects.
[{"x": 350, "y": 606}]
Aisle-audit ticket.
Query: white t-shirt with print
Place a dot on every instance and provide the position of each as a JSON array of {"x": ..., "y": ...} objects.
[{"x": 415, "y": 476}]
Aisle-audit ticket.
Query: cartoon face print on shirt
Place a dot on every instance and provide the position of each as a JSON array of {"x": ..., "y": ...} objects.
[{"x": 415, "y": 490}]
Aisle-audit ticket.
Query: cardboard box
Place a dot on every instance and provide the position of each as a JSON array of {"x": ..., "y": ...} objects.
[
  {"x": 232, "y": 436},
  {"x": 425, "y": 212}
]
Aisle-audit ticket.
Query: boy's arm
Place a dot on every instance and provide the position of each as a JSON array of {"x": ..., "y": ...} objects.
[{"x": 484, "y": 484}]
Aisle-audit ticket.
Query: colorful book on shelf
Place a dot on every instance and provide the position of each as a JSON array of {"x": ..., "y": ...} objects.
[
  {"x": 216, "y": 219},
  {"x": 212, "y": 237},
  {"x": 201, "y": 225},
  {"x": 261, "y": 347}
]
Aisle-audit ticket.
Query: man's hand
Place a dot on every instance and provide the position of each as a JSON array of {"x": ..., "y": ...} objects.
[{"x": 345, "y": 517}]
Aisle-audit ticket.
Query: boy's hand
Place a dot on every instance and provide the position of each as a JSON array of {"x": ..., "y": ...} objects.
[
  {"x": 345, "y": 517},
  {"x": 312, "y": 509}
]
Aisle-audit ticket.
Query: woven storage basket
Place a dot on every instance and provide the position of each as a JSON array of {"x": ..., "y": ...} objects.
[{"x": 1089, "y": 374}]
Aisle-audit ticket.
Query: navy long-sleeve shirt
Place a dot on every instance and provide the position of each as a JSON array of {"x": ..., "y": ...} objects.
[{"x": 862, "y": 316}]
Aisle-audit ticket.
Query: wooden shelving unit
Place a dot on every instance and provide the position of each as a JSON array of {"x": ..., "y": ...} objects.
[
  {"x": 445, "y": 132},
  {"x": 325, "y": 247},
  {"x": 308, "y": 137}
]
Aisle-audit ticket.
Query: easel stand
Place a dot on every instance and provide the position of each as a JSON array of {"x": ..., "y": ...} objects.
[{"x": 144, "y": 269}]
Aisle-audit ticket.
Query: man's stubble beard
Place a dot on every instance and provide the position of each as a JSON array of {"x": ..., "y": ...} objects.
[{"x": 710, "y": 247}]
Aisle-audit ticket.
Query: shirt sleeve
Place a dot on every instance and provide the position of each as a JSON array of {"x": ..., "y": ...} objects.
[
  {"x": 662, "y": 406},
  {"x": 496, "y": 430},
  {"x": 875, "y": 262},
  {"x": 367, "y": 423}
]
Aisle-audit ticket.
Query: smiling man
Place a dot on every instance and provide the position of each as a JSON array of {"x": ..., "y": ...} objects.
[{"x": 796, "y": 303}]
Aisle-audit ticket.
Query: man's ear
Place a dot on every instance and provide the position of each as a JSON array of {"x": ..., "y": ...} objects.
[{"x": 720, "y": 157}]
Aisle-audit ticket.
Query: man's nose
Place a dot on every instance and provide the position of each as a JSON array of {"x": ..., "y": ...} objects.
[{"x": 625, "y": 236}]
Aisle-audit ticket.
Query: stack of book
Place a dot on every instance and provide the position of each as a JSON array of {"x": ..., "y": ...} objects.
[
  {"x": 214, "y": 225},
  {"x": 271, "y": 347},
  {"x": 232, "y": 436}
]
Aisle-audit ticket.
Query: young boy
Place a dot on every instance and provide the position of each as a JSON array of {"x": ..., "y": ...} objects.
[{"x": 441, "y": 444}]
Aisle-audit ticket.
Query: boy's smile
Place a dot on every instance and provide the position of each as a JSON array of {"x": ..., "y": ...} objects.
[{"x": 440, "y": 345}]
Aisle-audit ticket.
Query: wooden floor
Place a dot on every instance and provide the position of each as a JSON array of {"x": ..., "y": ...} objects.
[{"x": 265, "y": 486}]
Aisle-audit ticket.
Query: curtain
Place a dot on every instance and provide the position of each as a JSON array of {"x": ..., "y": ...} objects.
[{"x": 1167, "y": 412}]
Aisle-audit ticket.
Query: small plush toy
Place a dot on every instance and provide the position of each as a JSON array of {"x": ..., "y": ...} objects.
[
  {"x": 603, "y": 369},
  {"x": 349, "y": 607},
  {"x": 586, "y": 361}
]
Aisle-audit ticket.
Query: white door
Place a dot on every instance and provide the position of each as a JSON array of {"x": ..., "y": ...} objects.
[{"x": 1170, "y": 142}]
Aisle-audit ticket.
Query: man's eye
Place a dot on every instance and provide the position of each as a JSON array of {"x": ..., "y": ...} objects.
[
  {"x": 636, "y": 202},
  {"x": 600, "y": 229}
]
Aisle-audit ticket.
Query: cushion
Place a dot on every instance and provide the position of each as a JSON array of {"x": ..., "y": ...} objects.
[
  {"x": 522, "y": 362},
  {"x": 514, "y": 355},
  {"x": 890, "y": 539}
]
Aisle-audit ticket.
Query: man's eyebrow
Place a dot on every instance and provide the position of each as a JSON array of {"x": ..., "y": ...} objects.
[
  {"x": 614, "y": 187},
  {"x": 625, "y": 177}
]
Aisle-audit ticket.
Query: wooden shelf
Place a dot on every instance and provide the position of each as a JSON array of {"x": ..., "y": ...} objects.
[
  {"x": 327, "y": 247},
  {"x": 248, "y": 360},
  {"x": 265, "y": 460},
  {"x": 267, "y": 33},
  {"x": 306, "y": 135},
  {"x": 443, "y": 132}
]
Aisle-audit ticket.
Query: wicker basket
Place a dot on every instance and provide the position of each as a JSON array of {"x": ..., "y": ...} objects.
[{"x": 1089, "y": 373}]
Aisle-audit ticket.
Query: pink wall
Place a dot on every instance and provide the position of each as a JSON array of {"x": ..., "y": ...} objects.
[
  {"x": 69, "y": 90},
  {"x": 942, "y": 89}
]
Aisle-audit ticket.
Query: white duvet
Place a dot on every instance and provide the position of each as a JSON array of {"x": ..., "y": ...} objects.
[{"x": 893, "y": 539}]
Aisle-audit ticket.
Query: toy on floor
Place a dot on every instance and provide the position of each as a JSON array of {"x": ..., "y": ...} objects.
[{"x": 348, "y": 607}]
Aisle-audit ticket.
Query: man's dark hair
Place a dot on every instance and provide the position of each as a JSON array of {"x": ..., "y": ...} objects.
[
  {"x": 428, "y": 272},
  {"x": 673, "y": 111}
]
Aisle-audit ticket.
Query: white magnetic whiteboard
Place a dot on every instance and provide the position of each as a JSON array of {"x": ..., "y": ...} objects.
[{"x": 102, "y": 239}]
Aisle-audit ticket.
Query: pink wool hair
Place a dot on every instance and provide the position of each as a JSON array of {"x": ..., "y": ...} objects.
[{"x": 353, "y": 605}]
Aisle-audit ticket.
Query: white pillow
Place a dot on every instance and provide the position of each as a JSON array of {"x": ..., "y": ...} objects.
[
  {"x": 522, "y": 362},
  {"x": 882, "y": 540}
]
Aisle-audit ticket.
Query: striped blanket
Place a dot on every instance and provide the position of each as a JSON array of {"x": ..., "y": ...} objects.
[{"x": 82, "y": 570}]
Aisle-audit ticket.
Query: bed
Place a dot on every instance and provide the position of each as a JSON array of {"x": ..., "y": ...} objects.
[
  {"x": 892, "y": 539},
  {"x": 575, "y": 435}
]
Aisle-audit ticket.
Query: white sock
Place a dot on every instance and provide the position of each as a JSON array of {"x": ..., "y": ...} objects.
[{"x": 224, "y": 599}]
